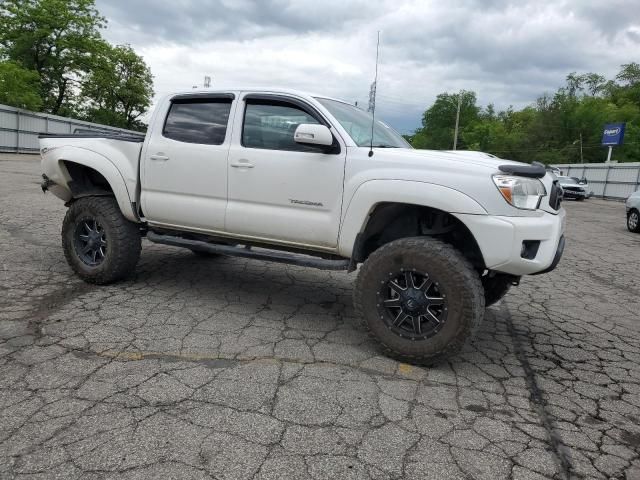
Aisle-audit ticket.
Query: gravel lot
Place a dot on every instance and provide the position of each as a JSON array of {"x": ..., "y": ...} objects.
[{"x": 233, "y": 369}]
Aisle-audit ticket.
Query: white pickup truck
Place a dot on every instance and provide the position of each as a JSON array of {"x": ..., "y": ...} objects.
[{"x": 290, "y": 177}]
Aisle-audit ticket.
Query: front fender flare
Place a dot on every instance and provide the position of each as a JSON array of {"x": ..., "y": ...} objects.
[{"x": 374, "y": 192}]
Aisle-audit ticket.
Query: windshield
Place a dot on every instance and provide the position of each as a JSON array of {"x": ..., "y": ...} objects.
[
  {"x": 357, "y": 123},
  {"x": 568, "y": 180}
]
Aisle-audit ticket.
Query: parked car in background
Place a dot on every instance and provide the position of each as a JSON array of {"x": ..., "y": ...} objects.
[
  {"x": 633, "y": 212},
  {"x": 584, "y": 183},
  {"x": 574, "y": 188}
]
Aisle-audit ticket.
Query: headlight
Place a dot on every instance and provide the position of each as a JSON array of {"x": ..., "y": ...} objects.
[{"x": 521, "y": 192}]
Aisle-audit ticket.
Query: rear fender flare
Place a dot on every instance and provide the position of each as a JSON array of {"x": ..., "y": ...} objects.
[{"x": 105, "y": 167}]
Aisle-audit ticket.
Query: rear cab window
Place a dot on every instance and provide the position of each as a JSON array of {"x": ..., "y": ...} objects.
[{"x": 198, "y": 120}]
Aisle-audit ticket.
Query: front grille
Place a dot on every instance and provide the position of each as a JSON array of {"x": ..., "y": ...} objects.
[{"x": 555, "y": 197}]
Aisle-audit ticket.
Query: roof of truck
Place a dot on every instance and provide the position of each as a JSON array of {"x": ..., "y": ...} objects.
[{"x": 291, "y": 91}]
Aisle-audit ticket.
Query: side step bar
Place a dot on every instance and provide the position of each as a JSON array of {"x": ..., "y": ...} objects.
[{"x": 247, "y": 252}]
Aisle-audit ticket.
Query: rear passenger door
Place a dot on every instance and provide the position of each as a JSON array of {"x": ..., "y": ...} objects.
[{"x": 184, "y": 170}]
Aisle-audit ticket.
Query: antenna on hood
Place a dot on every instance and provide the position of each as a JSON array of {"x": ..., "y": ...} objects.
[{"x": 372, "y": 97}]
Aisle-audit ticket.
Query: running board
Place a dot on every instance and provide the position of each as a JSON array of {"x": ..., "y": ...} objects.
[{"x": 248, "y": 252}]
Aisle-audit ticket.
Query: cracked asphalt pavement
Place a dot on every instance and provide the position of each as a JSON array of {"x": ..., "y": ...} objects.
[{"x": 234, "y": 369}]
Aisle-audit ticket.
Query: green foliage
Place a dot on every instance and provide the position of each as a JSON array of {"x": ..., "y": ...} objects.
[
  {"x": 548, "y": 131},
  {"x": 120, "y": 87},
  {"x": 19, "y": 87},
  {"x": 437, "y": 131},
  {"x": 59, "y": 41},
  {"x": 56, "y": 38}
]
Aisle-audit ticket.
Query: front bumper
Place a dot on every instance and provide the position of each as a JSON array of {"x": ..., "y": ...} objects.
[
  {"x": 556, "y": 258},
  {"x": 574, "y": 193},
  {"x": 501, "y": 241}
]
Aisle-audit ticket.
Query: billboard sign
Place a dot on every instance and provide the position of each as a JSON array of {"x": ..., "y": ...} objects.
[{"x": 613, "y": 134}]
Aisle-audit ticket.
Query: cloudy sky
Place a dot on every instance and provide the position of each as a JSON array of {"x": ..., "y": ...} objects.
[{"x": 509, "y": 52}]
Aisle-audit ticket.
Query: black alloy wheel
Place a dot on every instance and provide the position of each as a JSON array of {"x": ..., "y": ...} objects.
[
  {"x": 413, "y": 305},
  {"x": 90, "y": 241}
]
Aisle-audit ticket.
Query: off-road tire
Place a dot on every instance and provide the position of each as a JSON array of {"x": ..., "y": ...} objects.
[
  {"x": 495, "y": 288},
  {"x": 123, "y": 240},
  {"x": 635, "y": 229},
  {"x": 465, "y": 297}
]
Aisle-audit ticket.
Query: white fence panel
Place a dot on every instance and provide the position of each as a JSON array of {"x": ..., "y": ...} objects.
[
  {"x": 19, "y": 129},
  {"x": 608, "y": 180}
]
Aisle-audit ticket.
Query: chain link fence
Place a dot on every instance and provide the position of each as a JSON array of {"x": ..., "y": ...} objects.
[
  {"x": 19, "y": 128},
  {"x": 606, "y": 180}
]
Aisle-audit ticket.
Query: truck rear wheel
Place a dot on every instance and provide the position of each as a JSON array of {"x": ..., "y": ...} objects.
[
  {"x": 420, "y": 299},
  {"x": 100, "y": 245}
]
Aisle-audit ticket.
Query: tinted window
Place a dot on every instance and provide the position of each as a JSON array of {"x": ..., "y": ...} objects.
[
  {"x": 272, "y": 125},
  {"x": 200, "y": 121}
]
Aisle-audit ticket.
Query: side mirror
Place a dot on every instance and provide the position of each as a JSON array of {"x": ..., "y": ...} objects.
[{"x": 312, "y": 134}]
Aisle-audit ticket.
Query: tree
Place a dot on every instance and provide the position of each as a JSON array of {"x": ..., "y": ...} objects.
[
  {"x": 120, "y": 87},
  {"x": 595, "y": 83},
  {"x": 19, "y": 87},
  {"x": 630, "y": 77},
  {"x": 57, "y": 39},
  {"x": 550, "y": 129},
  {"x": 438, "y": 122},
  {"x": 630, "y": 73},
  {"x": 574, "y": 84}
]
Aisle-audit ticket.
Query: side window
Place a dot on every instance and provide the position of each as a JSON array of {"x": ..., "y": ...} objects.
[
  {"x": 198, "y": 121},
  {"x": 271, "y": 125}
]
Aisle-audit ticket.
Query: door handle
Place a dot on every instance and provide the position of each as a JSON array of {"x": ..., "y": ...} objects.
[
  {"x": 158, "y": 157},
  {"x": 242, "y": 164}
]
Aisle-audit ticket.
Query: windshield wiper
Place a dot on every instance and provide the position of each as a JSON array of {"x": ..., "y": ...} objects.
[{"x": 385, "y": 146}]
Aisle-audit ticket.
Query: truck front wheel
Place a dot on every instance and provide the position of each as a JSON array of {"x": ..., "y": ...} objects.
[
  {"x": 100, "y": 245},
  {"x": 420, "y": 299},
  {"x": 496, "y": 287}
]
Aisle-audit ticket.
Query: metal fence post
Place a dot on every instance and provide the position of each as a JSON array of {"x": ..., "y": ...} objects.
[
  {"x": 638, "y": 178},
  {"x": 606, "y": 181},
  {"x": 17, "y": 131}
]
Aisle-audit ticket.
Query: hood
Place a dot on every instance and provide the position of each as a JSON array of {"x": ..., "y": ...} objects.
[{"x": 462, "y": 158}]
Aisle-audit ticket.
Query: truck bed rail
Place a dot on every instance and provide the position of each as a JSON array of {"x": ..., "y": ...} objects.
[{"x": 129, "y": 137}]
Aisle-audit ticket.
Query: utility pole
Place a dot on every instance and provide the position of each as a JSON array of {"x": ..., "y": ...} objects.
[
  {"x": 581, "y": 157},
  {"x": 455, "y": 135},
  {"x": 580, "y": 140}
]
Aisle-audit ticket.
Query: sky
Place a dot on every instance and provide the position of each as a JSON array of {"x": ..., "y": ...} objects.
[{"x": 508, "y": 52}]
